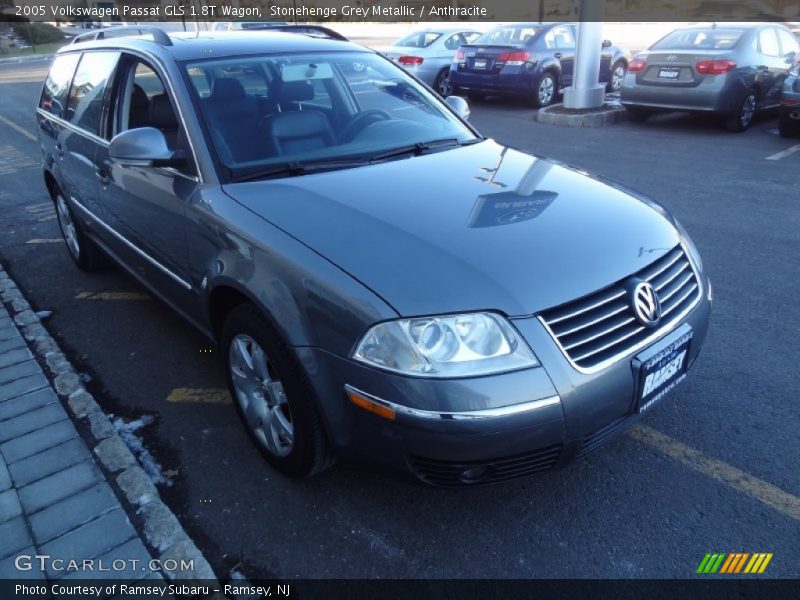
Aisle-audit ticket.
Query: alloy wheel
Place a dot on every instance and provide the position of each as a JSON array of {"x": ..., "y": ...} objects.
[
  {"x": 444, "y": 84},
  {"x": 67, "y": 226},
  {"x": 546, "y": 89},
  {"x": 748, "y": 110},
  {"x": 260, "y": 394},
  {"x": 616, "y": 77}
]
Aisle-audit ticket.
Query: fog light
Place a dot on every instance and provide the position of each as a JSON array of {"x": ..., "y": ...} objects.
[{"x": 475, "y": 474}]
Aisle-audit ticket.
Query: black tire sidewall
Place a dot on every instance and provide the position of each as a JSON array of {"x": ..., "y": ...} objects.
[
  {"x": 437, "y": 83},
  {"x": 734, "y": 122},
  {"x": 307, "y": 454},
  {"x": 90, "y": 257}
]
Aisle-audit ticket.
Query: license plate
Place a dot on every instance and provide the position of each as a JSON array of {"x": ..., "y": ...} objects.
[
  {"x": 479, "y": 64},
  {"x": 669, "y": 73},
  {"x": 659, "y": 374}
]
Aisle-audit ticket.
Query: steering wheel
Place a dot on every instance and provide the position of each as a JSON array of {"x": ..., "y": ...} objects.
[{"x": 362, "y": 120}]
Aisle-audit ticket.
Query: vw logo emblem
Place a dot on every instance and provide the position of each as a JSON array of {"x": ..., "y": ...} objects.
[
  {"x": 645, "y": 304},
  {"x": 672, "y": 57}
]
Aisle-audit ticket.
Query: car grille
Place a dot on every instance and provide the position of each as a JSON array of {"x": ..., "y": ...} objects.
[
  {"x": 452, "y": 474},
  {"x": 600, "y": 328},
  {"x": 597, "y": 439}
]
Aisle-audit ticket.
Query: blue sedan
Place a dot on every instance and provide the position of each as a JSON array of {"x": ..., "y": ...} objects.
[{"x": 533, "y": 60}]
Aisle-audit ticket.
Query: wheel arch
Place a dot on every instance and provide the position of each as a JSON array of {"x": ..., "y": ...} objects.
[{"x": 51, "y": 184}]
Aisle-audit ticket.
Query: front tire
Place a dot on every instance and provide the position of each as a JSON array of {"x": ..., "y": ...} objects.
[
  {"x": 272, "y": 395},
  {"x": 544, "y": 90},
  {"x": 83, "y": 251},
  {"x": 741, "y": 120}
]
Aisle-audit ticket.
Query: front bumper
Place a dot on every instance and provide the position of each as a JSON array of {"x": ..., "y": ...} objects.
[{"x": 516, "y": 423}]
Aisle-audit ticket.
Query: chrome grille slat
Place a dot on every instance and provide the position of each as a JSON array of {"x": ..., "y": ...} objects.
[
  {"x": 599, "y": 335},
  {"x": 669, "y": 295},
  {"x": 598, "y": 329},
  {"x": 593, "y": 322},
  {"x": 587, "y": 309},
  {"x": 672, "y": 277},
  {"x": 680, "y": 300}
]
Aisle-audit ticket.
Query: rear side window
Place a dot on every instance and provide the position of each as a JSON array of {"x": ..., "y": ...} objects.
[
  {"x": 56, "y": 87},
  {"x": 768, "y": 42},
  {"x": 700, "y": 39},
  {"x": 85, "y": 103},
  {"x": 788, "y": 42},
  {"x": 421, "y": 39}
]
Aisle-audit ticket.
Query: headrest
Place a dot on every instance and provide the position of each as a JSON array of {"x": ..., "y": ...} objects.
[
  {"x": 295, "y": 124},
  {"x": 138, "y": 96},
  {"x": 296, "y": 91},
  {"x": 162, "y": 116},
  {"x": 227, "y": 89}
]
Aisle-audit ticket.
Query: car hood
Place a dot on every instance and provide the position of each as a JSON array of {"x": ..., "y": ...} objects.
[{"x": 480, "y": 227}]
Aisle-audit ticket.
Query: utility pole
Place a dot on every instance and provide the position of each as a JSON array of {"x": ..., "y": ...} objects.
[{"x": 585, "y": 91}]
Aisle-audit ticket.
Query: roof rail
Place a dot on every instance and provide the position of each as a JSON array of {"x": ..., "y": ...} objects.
[
  {"x": 159, "y": 35},
  {"x": 312, "y": 30}
]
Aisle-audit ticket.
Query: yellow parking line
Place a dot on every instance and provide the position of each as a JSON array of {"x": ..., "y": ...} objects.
[
  {"x": 747, "y": 484},
  {"x": 200, "y": 395},
  {"x": 45, "y": 241},
  {"x": 112, "y": 296},
  {"x": 18, "y": 129}
]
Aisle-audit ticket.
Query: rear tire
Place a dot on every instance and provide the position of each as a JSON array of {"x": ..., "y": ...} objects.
[
  {"x": 618, "y": 71},
  {"x": 442, "y": 84},
  {"x": 788, "y": 128},
  {"x": 83, "y": 251},
  {"x": 544, "y": 90},
  {"x": 272, "y": 395},
  {"x": 637, "y": 115},
  {"x": 741, "y": 120}
]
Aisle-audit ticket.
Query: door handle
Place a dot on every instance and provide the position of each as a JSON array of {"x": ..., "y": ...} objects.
[{"x": 558, "y": 54}]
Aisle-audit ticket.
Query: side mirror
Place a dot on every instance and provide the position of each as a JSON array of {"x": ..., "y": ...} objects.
[
  {"x": 143, "y": 147},
  {"x": 606, "y": 43},
  {"x": 459, "y": 106},
  {"x": 790, "y": 58}
]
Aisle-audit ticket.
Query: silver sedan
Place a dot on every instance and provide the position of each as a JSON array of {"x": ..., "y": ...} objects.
[{"x": 427, "y": 53}]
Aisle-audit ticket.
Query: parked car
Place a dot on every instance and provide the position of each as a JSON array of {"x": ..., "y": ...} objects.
[
  {"x": 427, "y": 53},
  {"x": 382, "y": 281},
  {"x": 732, "y": 70},
  {"x": 789, "y": 120},
  {"x": 532, "y": 60}
]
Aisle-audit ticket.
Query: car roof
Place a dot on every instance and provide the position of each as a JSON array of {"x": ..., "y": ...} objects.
[
  {"x": 729, "y": 25},
  {"x": 220, "y": 44}
]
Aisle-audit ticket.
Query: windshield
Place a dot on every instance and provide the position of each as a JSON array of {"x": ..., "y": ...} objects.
[
  {"x": 420, "y": 39},
  {"x": 508, "y": 35},
  {"x": 699, "y": 39},
  {"x": 299, "y": 109}
]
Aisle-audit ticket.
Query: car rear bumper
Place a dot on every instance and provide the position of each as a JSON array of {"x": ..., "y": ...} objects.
[
  {"x": 485, "y": 429},
  {"x": 516, "y": 81},
  {"x": 715, "y": 94}
]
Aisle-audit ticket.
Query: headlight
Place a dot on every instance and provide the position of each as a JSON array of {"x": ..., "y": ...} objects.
[
  {"x": 694, "y": 254},
  {"x": 447, "y": 346}
]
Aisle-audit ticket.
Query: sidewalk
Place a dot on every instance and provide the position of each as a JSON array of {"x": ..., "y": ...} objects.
[{"x": 60, "y": 494}]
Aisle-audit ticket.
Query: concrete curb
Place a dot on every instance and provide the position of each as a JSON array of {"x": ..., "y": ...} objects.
[
  {"x": 162, "y": 531},
  {"x": 608, "y": 115}
]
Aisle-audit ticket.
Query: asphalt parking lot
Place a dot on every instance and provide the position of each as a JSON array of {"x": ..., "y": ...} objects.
[{"x": 713, "y": 469}]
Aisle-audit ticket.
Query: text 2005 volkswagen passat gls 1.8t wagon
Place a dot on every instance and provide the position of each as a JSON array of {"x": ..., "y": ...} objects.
[{"x": 383, "y": 281}]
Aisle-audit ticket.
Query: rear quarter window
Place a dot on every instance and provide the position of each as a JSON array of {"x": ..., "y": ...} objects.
[
  {"x": 700, "y": 39},
  {"x": 85, "y": 102},
  {"x": 56, "y": 86}
]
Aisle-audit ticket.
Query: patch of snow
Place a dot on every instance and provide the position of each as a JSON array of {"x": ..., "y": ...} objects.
[
  {"x": 44, "y": 314},
  {"x": 127, "y": 431}
]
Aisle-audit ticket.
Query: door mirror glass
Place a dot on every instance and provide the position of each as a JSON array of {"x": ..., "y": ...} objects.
[
  {"x": 143, "y": 147},
  {"x": 459, "y": 105},
  {"x": 606, "y": 43}
]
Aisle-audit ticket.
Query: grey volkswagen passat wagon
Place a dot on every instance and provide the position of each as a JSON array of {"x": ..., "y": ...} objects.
[{"x": 383, "y": 281}]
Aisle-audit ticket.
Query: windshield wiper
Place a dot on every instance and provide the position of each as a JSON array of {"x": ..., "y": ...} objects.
[
  {"x": 294, "y": 168},
  {"x": 422, "y": 147}
]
